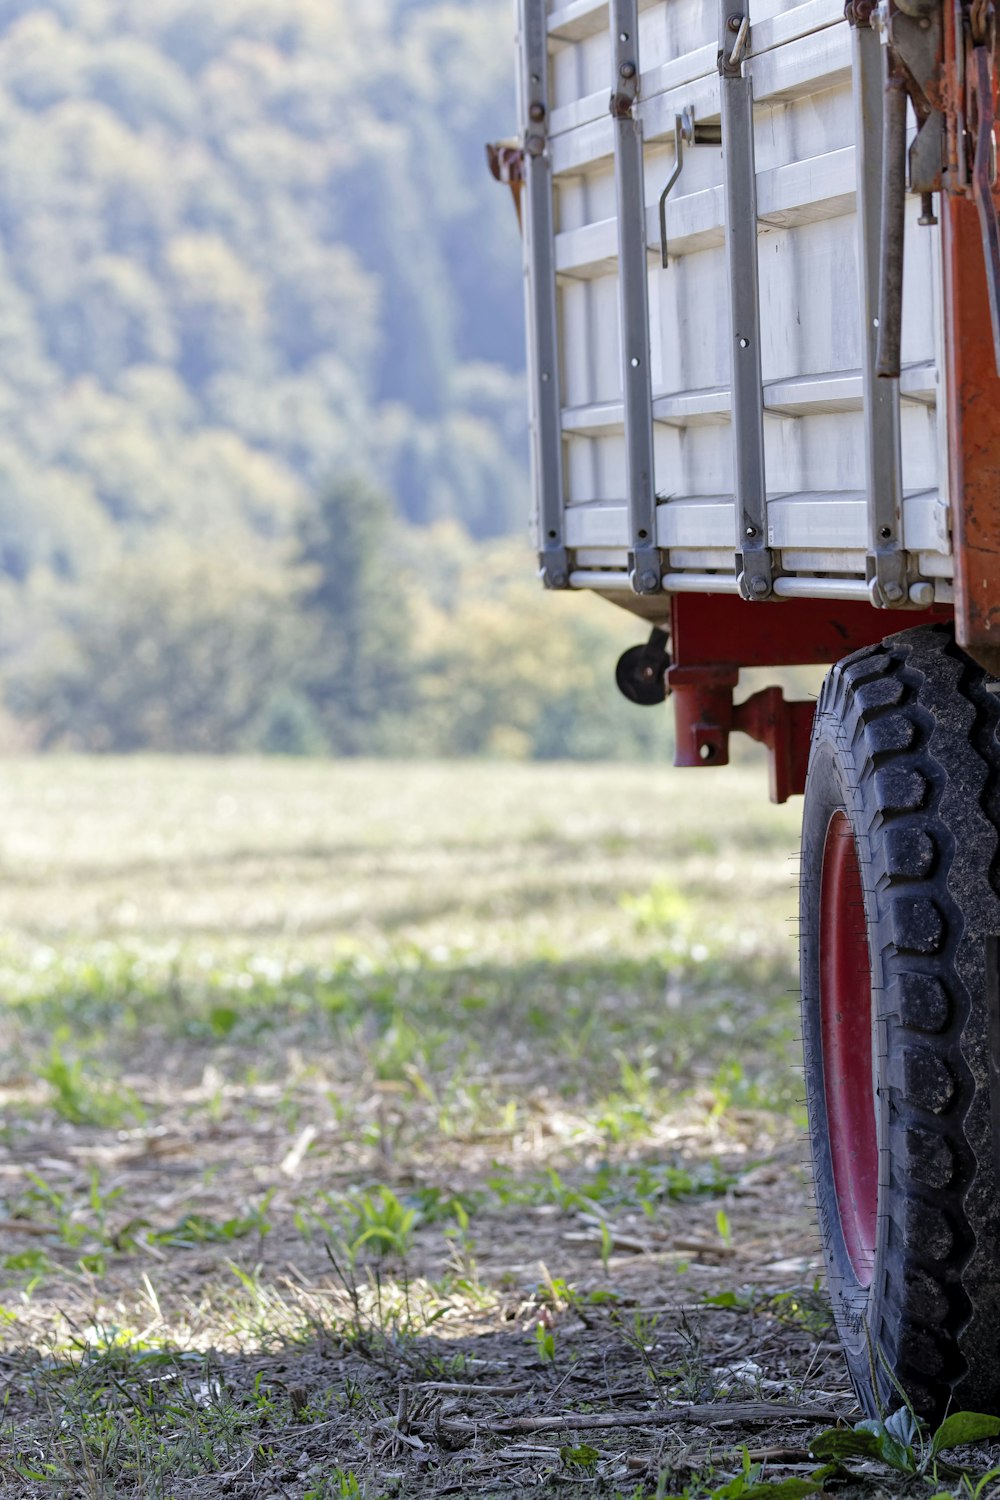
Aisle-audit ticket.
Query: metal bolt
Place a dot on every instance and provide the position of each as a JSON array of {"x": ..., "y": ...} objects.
[
  {"x": 545, "y": 377},
  {"x": 924, "y": 23},
  {"x": 627, "y": 70},
  {"x": 758, "y": 585},
  {"x": 734, "y": 23},
  {"x": 744, "y": 343},
  {"x": 885, "y": 532},
  {"x": 893, "y": 591},
  {"x": 535, "y": 145},
  {"x": 634, "y": 362},
  {"x": 537, "y": 112},
  {"x": 557, "y": 580},
  {"x": 751, "y": 531},
  {"x": 648, "y": 582},
  {"x": 922, "y": 593}
]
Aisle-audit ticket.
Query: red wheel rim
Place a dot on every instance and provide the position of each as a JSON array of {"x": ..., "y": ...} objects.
[{"x": 845, "y": 984}]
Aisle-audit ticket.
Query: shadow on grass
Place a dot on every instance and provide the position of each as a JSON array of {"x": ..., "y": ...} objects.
[{"x": 388, "y": 1389}]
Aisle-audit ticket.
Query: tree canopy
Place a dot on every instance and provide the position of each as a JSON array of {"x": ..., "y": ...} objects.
[
  {"x": 247, "y": 246},
  {"x": 262, "y": 410}
]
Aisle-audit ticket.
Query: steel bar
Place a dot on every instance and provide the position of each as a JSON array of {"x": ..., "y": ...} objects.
[
  {"x": 821, "y": 588},
  {"x": 753, "y": 557},
  {"x": 633, "y": 292},
  {"x": 887, "y": 562},
  {"x": 674, "y": 583},
  {"x": 892, "y": 230},
  {"x": 717, "y": 583},
  {"x": 540, "y": 273}
]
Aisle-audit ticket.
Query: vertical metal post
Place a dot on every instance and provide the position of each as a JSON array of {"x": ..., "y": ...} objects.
[
  {"x": 753, "y": 557},
  {"x": 645, "y": 563},
  {"x": 540, "y": 274},
  {"x": 883, "y": 457}
]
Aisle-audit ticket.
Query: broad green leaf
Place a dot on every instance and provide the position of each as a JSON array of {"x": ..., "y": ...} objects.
[
  {"x": 782, "y": 1489},
  {"x": 964, "y": 1427},
  {"x": 903, "y": 1427},
  {"x": 897, "y": 1454},
  {"x": 583, "y": 1456},
  {"x": 839, "y": 1444}
]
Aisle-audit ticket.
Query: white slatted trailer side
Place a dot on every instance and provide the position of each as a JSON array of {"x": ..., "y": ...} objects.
[{"x": 828, "y": 491}]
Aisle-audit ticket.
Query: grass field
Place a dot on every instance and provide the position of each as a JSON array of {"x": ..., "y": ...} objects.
[{"x": 384, "y": 1130}]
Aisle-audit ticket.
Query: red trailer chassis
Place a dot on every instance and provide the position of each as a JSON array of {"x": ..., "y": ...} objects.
[{"x": 713, "y": 636}]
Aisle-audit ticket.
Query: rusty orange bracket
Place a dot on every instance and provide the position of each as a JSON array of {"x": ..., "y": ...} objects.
[
  {"x": 506, "y": 163},
  {"x": 705, "y": 716}
]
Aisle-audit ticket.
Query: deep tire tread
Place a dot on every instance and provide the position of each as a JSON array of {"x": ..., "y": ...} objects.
[{"x": 914, "y": 732}]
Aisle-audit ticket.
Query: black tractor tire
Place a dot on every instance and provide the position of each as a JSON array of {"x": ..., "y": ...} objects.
[{"x": 900, "y": 936}]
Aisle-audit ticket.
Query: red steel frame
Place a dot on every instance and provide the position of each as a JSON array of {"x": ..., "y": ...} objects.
[{"x": 713, "y": 636}]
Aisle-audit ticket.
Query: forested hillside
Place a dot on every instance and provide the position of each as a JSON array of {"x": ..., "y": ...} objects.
[
  {"x": 246, "y": 244},
  {"x": 254, "y": 278}
]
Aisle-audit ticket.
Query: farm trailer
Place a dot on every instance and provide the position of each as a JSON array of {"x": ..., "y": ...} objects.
[{"x": 762, "y": 261}]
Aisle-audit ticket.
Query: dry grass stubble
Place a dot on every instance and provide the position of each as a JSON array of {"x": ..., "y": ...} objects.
[{"x": 377, "y": 1130}]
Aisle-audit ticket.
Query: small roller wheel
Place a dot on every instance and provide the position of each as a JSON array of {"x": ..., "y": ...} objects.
[
  {"x": 901, "y": 1017},
  {"x": 642, "y": 671}
]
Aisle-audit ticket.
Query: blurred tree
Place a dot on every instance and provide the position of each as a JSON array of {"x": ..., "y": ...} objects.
[
  {"x": 360, "y": 674},
  {"x": 177, "y": 652},
  {"x": 248, "y": 245},
  {"x": 210, "y": 193},
  {"x": 322, "y": 303},
  {"x": 220, "y": 306},
  {"x": 503, "y": 669},
  {"x": 44, "y": 62},
  {"x": 117, "y": 317},
  {"x": 141, "y": 85},
  {"x": 50, "y": 519}
]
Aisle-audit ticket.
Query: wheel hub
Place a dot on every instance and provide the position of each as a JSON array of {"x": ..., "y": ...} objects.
[{"x": 846, "y": 1025}]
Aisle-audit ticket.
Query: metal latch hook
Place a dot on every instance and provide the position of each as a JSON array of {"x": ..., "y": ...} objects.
[
  {"x": 679, "y": 135},
  {"x": 740, "y": 42},
  {"x": 685, "y": 129}
]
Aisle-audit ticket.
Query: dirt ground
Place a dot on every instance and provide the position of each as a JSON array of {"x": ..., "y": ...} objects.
[{"x": 376, "y": 1131}]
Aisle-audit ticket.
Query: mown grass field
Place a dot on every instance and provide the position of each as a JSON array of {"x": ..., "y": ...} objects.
[{"x": 378, "y": 1130}]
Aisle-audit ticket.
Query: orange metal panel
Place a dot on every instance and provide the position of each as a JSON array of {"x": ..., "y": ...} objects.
[{"x": 973, "y": 414}]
